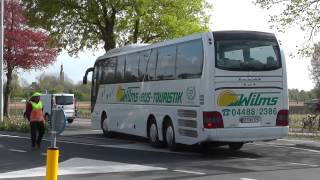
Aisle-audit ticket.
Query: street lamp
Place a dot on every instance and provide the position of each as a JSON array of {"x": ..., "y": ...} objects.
[{"x": 1, "y": 60}]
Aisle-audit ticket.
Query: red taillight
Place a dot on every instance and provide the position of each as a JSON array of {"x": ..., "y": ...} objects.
[
  {"x": 212, "y": 120},
  {"x": 283, "y": 118}
]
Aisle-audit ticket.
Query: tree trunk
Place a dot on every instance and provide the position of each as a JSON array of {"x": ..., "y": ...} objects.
[
  {"x": 8, "y": 90},
  {"x": 109, "y": 41},
  {"x": 108, "y": 36},
  {"x": 136, "y": 30}
]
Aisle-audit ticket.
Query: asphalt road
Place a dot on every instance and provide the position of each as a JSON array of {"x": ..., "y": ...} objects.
[{"x": 86, "y": 155}]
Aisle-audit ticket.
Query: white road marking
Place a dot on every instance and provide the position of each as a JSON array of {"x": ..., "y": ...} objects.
[
  {"x": 249, "y": 159},
  {"x": 311, "y": 165},
  {"x": 134, "y": 146},
  {"x": 76, "y": 166},
  {"x": 282, "y": 146},
  {"x": 279, "y": 144},
  {"x": 11, "y": 136},
  {"x": 17, "y": 150},
  {"x": 190, "y": 172},
  {"x": 148, "y": 148},
  {"x": 298, "y": 140},
  {"x": 95, "y": 130},
  {"x": 246, "y": 179}
]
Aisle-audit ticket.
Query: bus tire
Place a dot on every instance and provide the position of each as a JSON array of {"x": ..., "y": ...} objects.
[
  {"x": 104, "y": 126},
  {"x": 154, "y": 135},
  {"x": 236, "y": 146},
  {"x": 170, "y": 136}
]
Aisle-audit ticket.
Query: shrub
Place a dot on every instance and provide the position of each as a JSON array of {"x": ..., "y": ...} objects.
[{"x": 14, "y": 124}]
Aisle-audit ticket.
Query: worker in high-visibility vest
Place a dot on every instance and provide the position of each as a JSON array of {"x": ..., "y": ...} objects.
[{"x": 34, "y": 114}]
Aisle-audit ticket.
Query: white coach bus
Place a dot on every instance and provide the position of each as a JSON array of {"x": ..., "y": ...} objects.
[{"x": 224, "y": 87}]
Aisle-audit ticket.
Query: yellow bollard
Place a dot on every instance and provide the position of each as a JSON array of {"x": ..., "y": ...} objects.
[{"x": 52, "y": 163}]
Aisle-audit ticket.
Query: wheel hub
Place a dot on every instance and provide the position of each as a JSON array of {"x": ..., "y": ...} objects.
[
  {"x": 169, "y": 135},
  {"x": 105, "y": 125},
  {"x": 153, "y": 133}
]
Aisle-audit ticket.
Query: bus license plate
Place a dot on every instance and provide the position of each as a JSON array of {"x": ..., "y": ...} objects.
[{"x": 250, "y": 119}]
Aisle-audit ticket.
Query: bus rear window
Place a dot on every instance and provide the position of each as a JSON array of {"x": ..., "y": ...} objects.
[
  {"x": 64, "y": 100},
  {"x": 247, "y": 54}
]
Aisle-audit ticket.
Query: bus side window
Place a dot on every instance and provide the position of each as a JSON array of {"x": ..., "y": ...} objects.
[
  {"x": 144, "y": 57},
  {"x": 95, "y": 79},
  {"x": 166, "y": 63},
  {"x": 132, "y": 68},
  {"x": 151, "y": 67},
  {"x": 119, "y": 76},
  {"x": 109, "y": 67},
  {"x": 190, "y": 60}
]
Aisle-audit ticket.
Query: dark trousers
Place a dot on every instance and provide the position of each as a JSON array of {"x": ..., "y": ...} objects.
[{"x": 36, "y": 128}]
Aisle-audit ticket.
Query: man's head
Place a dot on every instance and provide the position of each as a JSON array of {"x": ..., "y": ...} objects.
[{"x": 36, "y": 97}]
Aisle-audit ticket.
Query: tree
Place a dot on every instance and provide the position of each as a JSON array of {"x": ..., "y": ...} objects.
[
  {"x": 153, "y": 21},
  {"x": 79, "y": 25},
  {"x": 24, "y": 47},
  {"x": 82, "y": 91},
  {"x": 17, "y": 90},
  {"x": 304, "y": 13},
  {"x": 52, "y": 84},
  {"x": 296, "y": 95},
  {"x": 315, "y": 65}
]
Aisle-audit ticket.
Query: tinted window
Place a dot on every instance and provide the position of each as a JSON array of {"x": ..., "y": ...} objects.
[
  {"x": 99, "y": 74},
  {"x": 248, "y": 54},
  {"x": 132, "y": 68},
  {"x": 96, "y": 79},
  {"x": 64, "y": 100},
  {"x": 189, "y": 59},
  {"x": 166, "y": 63},
  {"x": 108, "y": 71},
  {"x": 151, "y": 68},
  {"x": 119, "y": 76},
  {"x": 144, "y": 57}
]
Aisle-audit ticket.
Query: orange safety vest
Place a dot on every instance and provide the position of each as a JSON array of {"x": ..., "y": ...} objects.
[{"x": 36, "y": 113}]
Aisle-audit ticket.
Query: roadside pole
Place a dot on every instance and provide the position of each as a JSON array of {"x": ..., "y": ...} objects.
[
  {"x": 1, "y": 60},
  {"x": 58, "y": 123}
]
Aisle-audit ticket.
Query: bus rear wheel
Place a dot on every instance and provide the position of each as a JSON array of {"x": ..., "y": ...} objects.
[
  {"x": 154, "y": 135},
  {"x": 236, "y": 146},
  {"x": 105, "y": 127},
  {"x": 170, "y": 137}
]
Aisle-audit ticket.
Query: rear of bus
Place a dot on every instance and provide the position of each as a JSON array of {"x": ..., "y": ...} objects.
[{"x": 250, "y": 88}]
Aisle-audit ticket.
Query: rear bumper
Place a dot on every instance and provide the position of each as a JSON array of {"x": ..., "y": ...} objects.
[
  {"x": 70, "y": 115},
  {"x": 247, "y": 134}
]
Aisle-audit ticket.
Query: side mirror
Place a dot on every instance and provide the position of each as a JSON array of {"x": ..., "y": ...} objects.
[{"x": 84, "y": 81}]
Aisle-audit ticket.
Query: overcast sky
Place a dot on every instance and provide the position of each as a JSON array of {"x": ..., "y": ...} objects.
[{"x": 226, "y": 15}]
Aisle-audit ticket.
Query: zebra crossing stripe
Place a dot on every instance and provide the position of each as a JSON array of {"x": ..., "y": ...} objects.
[{"x": 76, "y": 166}]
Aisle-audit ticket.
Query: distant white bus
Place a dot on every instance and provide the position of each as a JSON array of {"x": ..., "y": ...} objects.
[{"x": 224, "y": 87}]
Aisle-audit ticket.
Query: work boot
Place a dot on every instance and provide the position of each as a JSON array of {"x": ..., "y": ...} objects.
[
  {"x": 38, "y": 146},
  {"x": 33, "y": 148}
]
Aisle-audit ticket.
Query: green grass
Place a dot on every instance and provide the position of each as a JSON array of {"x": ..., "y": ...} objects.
[
  {"x": 14, "y": 124},
  {"x": 84, "y": 113},
  {"x": 295, "y": 120},
  {"x": 302, "y": 137}
]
